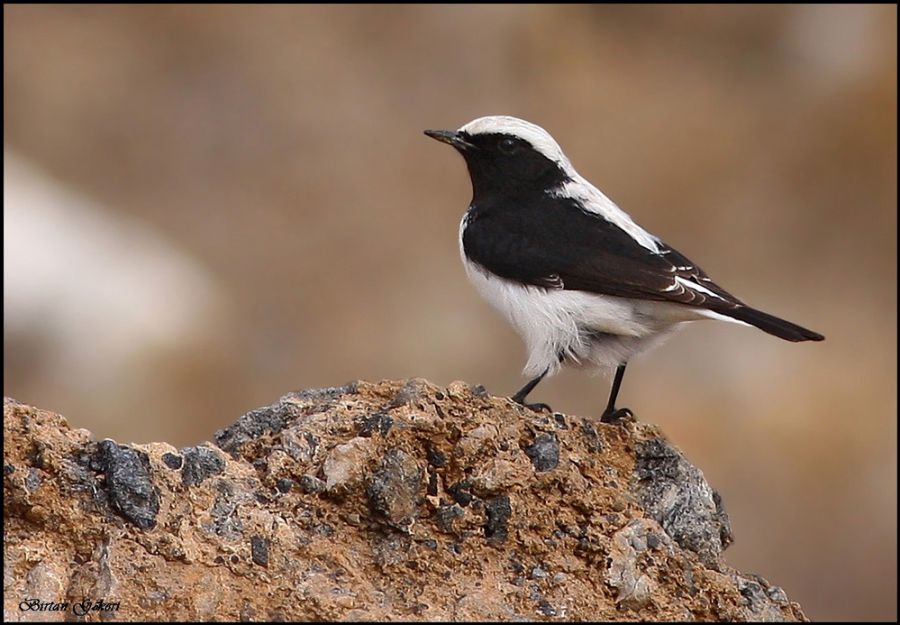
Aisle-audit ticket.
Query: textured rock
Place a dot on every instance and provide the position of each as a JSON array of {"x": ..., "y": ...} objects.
[
  {"x": 395, "y": 490},
  {"x": 128, "y": 482},
  {"x": 200, "y": 463},
  {"x": 395, "y": 500},
  {"x": 544, "y": 453},
  {"x": 676, "y": 495}
]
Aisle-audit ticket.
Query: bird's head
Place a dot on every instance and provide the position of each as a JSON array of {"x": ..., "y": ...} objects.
[{"x": 508, "y": 156}]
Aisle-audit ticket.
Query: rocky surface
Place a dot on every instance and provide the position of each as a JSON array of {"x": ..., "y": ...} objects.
[{"x": 388, "y": 501}]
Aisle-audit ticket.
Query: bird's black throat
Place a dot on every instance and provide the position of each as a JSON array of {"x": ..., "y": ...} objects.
[{"x": 506, "y": 167}]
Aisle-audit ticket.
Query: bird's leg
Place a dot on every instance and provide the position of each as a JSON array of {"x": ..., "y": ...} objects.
[
  {"x": 611, "y": 414},
  {"x": 522, "y": 393}
]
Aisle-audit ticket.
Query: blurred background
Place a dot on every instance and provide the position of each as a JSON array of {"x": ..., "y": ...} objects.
[{"x": 207, "y": 207}]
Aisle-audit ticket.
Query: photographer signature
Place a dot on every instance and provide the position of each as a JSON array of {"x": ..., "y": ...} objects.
[{"x": 78, "y": 609}]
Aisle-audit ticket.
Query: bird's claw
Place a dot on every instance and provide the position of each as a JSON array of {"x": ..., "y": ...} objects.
[
  {"x": 537, "y": 407},
  {"x": 616, "y": 415}
]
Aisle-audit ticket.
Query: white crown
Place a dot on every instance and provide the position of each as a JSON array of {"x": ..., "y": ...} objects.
[{"x": 539, "y": 138}]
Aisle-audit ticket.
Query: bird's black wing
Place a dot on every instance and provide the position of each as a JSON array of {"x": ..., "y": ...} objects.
[{"x": 553, "y": 243}]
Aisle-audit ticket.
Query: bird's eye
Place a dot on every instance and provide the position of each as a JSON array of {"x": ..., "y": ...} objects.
[{"x": 508, "y": 146}]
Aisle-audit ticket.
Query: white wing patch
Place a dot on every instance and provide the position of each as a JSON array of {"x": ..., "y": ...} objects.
[{"x": 695, "y": 287}]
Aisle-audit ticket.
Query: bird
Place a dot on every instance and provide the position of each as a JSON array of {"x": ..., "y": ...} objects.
[{"x": 581, "y": 282}]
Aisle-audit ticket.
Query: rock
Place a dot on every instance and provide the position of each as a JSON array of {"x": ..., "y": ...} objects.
[
  {"x": 498, "y": 512},
  {"x": 388, "y": 501},
  {"x": 199, "y": 463},
  {"x": 346, "y": 464},
  {"x": 128, "y": 482},
  {"x": 378, "y": 422},
  {"x": 435, "y": 457},
  {"x": 256, "y": 425},
  {"x": 544, "y": 452},
  {"x": 310, "y": 484},
  {"x": 626, "y": 570},
  {"x": 496, "y": 476},
  {"x": 173, "y": 461},
  {"x": 676, "y": 495},
  {"x": 395, "y": 489},
  {"x": 284, "y": 485},
  {"x": 259, "y": 550},
  {"x": 412, "y": 390}
]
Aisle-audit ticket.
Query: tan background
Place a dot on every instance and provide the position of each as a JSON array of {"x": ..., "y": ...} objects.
[{"x": 279, "y": 151}]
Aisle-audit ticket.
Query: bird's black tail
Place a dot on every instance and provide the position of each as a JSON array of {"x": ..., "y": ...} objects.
[{"x": 773, "y": 325}]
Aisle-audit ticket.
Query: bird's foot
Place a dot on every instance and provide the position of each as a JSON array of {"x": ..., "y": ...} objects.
[
  {"x": 537, "y": 407},
  {"x": 616, "y": 415}
]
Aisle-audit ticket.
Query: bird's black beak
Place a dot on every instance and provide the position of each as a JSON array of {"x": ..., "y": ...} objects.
[{"x": 450, "y": 137}]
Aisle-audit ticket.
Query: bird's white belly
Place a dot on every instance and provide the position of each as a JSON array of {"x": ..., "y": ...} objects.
[{"x": 582, "y": 328}]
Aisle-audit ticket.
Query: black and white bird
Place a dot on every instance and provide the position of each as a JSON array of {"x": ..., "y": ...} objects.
[{"x": 580, "y": 281}]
